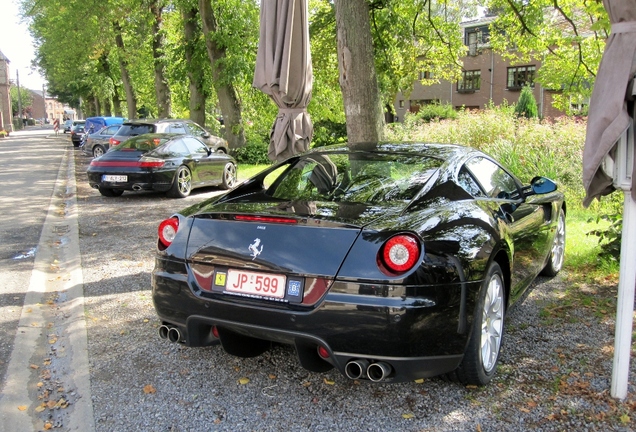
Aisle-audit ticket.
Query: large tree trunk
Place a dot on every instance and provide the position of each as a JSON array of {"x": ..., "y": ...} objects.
[
  {"x": 195, "y": 76},
  {"x": 162, "y": 91},
  {"x": 131, "y": 99},
  {"x": 228, "y": 101},
  {"x": 358, "y": 79}
]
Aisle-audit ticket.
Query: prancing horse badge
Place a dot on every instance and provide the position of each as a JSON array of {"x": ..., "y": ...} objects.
[{"x": 254, "y": 248}]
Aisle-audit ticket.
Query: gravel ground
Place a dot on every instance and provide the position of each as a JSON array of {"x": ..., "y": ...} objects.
[{"x": 554, "y": 375}]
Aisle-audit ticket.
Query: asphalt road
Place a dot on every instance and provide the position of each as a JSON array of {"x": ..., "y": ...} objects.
[
  {"x": 25, "y": 199},
  {"x": 44, "y": 356}
]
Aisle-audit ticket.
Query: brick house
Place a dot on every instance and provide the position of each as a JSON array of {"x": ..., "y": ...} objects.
[
  {"x": 486, "y": 77},
  {"x": 5, "y": 95}
]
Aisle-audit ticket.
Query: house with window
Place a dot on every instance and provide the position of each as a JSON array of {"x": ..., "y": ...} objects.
[{"x": 486, "y": 77}]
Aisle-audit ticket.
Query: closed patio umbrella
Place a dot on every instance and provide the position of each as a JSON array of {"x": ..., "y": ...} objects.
[
  {"x": 283, "y": 71},
  {"x": 608, "y": 163}
]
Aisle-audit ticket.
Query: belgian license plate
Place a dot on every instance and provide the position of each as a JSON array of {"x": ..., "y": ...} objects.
[
  {"x": 252, "y": 283},
  {"x": 114, "y": 178}
]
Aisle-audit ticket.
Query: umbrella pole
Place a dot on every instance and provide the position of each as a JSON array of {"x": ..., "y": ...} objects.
[{"x": 627, "y": 277}]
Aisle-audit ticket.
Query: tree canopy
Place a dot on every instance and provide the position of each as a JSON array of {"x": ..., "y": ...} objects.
[{"x": 159, "y": 57}]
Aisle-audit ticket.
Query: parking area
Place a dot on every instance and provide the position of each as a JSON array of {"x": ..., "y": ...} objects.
[{"x": 554, "y": 372}]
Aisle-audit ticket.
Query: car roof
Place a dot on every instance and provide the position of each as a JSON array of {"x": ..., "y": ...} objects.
[{"x": 155, "y": 121}]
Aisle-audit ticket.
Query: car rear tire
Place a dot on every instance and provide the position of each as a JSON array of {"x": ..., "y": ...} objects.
[
  {"x": 229, "y": 176},
  {"x": 482, "y": 353},
  {"x": 98, "y": 151},
  {"x": 182, "y": 183},
  {"x": 108, "y": 192},
  {"x": 557, "y": 253}
]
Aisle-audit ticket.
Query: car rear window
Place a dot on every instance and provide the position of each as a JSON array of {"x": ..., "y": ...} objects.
[
  {"x": 354, "y": 177},
  {"x": 135, "y": 129}
]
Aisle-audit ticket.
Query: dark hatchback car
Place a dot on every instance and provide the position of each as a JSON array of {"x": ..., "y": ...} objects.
[
  {"x": 77, "y": 132},
  {"x": 170, "y": 163},
  {"x": 186, "y": 127},
  {"x": 389, "y": 262},
  {"x": 97, "y": 143}
]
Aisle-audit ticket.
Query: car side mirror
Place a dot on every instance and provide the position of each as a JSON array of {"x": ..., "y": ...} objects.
[
  {"x": 542, "y": 185},
  {"x": 205, "y": 135}
]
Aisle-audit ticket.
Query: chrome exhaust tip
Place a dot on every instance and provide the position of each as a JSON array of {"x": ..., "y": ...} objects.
[
  {"x": 136, "y": 187},
  {"x": 163, "y": 331},
  {"x": 379, "y": 371},
  {"x": 356, "y": 369},
  {"x": 174, "y": 335}
]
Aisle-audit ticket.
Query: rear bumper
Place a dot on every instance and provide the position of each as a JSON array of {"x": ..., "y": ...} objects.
[
  {"x": 417, "y": 339},
  {"x": 136, "y": 182}
]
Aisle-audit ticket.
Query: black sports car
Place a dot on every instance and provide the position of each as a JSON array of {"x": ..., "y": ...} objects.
[
  {"x": 171, "y": 163},
  {"x": 389, "y": 262}
]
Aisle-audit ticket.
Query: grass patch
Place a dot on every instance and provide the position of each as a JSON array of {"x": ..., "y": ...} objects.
[{"x": 246, "y": 171}]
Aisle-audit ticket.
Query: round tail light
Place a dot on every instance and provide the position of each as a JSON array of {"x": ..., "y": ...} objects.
[
  {"x": 168, "y": 231},
  {"x": 399, "y": 254}
]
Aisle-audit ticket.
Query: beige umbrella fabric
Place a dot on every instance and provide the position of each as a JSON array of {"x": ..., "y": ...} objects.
[
  {"x": 283, "y": 71},
  {"x": 608, "y": 117}
]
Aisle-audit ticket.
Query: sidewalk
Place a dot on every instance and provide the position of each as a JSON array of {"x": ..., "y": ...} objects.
[{"x": 37, "y": 130}]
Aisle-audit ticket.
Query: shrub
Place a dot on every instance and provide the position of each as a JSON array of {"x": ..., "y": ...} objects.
[
  {"x": 527, "y": 105},
  {"x": 253, "y": 153}
]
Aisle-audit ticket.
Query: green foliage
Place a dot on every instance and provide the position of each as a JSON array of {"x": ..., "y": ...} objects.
[
  {"x": 527, "y": 105},
  {"x": 568, "y": 36},
  {"x": 25, "y": 96},
  {"x": 254, "y": 153},
  {"x": 434, "y": 112},
  {"x": 609, "y": 238},
  {"x": 328, "y": 132},
  {"x": 529, "y": 147}
]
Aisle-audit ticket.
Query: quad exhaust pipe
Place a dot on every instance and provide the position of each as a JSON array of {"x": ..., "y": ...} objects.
[
  {"x": 363, "y": 369},
  {"x": 169, "y": 332}
]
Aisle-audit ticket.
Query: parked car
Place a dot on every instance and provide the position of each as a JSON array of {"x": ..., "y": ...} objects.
[
  {"x": 67, "y": 125},
  {"x": 97, "y": 143},
  {"x": 389, "y": 262},
  {"x": 170, "y": 163},
  {"x": 138, "y": 127},
  {"x": 77, "y": 132}
]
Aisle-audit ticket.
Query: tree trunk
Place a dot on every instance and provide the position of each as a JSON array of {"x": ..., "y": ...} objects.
[
  {"x": 228, "y": 101},
  {"x": 131, "y": 99},
  {"x": 195, "y": 76},
  {"x": 358, "y": 79},
  {"x": 162, "y": 91}
]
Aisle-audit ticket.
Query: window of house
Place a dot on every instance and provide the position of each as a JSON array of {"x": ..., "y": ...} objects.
[
  {"x": 401, "y": 103},
  {"x": 519, "y": 76},
  {"x": 470, "y": 81},
  {"x": 425, "y": 75}
]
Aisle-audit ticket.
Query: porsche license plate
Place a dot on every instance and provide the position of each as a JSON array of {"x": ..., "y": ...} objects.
[
  {"x": 252, "y": 283},
  {"x": 115, "y": 178}
]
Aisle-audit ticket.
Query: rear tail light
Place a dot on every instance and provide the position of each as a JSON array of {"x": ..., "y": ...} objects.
[
  {"x": 148, "y": 162},
  {"x": 114, "y": 142},
  {"x": 399, "y": 254},
  {"x": 168, "y": 231}
]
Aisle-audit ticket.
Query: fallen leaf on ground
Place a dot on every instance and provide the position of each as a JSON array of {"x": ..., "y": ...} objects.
[
  {"x": 408, "y": 415},
  {"x": 22, "y": 407},
  {"x": 149, "y": 389},
  {"x": 329, "y": 382},
  {"x": 33, "y": 366},
  {"x": 244, "y": 380}
]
